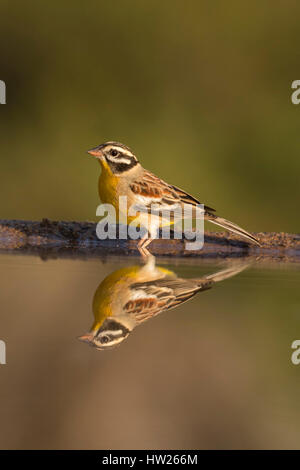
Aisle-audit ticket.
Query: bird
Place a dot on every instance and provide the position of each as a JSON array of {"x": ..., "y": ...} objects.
[
  {"x": 132, "y": 295},
  {"x": 123, "y": 175}
]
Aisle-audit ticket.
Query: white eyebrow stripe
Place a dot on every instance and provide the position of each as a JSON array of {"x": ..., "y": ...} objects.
[
  {"x": 112, "y": 332},
  {"x": 119, "y": 159}
]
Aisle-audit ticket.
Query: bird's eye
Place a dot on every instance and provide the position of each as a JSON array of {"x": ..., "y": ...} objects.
[
  {"x": 114, "y": 152},
  {"x": 104, "y": 339}
]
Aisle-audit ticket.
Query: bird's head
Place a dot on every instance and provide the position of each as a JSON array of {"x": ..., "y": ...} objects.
[
  {"x": 116, "y": 156},
  {"x": 111, "y": 333}
]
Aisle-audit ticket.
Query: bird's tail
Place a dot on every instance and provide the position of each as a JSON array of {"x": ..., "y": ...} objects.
[
  {"x": 230, "y": 226},
  {"x": 227, "y": 273}
]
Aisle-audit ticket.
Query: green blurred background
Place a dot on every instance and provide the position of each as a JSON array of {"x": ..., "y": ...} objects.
[{"x": 200, "y": 90}]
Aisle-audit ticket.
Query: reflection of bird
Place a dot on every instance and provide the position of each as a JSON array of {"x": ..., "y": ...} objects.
[
  {"x": 123, "y": 175},
  {"x": 132, "y": 295}
]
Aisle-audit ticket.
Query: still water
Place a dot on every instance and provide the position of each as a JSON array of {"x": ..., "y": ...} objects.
[{"x": 116, "y": 354}]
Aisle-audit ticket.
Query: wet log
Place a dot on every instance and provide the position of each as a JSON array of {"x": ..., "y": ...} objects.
[{"x": 48, "y": 238}]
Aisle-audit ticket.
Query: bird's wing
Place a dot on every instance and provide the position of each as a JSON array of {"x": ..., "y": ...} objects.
[
  {"x": 149, "y": 189},
  {"x": 189, "y": 199},
  {"x": 150, "y": 298}
]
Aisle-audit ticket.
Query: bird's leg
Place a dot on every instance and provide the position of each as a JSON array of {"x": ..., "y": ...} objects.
[
  {"x": 143, "y": 243},
  {"x": 147, "y": 242},
  {"x": 146, "y": 253}
]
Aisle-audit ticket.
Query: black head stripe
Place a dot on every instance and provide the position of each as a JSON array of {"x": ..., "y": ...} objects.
[
  {"x": 115, "y": 144},
  {"x": 113, "y": 325},
  {"x": 120, "y": 167}
]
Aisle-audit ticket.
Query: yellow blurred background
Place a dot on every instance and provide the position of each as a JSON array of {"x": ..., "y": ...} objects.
[{"x": 201, "y": 91}]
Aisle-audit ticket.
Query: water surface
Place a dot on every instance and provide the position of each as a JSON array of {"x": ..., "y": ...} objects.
[{"x": 214, "y": 372}]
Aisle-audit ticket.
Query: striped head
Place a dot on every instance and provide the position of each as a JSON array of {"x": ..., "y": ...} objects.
[
  {"x": 116, "y": 156},
  {"x": 110, "y": 334}
]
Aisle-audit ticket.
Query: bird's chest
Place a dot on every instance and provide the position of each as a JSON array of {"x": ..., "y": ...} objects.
[{"x": 108, "y": 188}]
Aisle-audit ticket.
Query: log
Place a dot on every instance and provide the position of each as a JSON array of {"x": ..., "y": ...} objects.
[{"x": 49, "y": 239}]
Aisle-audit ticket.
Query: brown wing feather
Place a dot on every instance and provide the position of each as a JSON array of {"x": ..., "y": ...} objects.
[
  {"x": 189, "y": 199},
  {"x": 162, "y": 294},
  {"x": 151, "y": 186},
  {"x": 144, "y": 308}
]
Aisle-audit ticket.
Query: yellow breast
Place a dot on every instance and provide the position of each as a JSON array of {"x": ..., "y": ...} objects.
[
  {"x": 107, "y": 187},
  {"x": 109, "y": 190},
  {"x": 109, "y": 291}
]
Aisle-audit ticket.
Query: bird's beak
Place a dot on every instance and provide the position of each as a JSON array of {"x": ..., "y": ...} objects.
[
  {"x": 87, "y": 338},
  {"x": 96, "y": 152}
]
